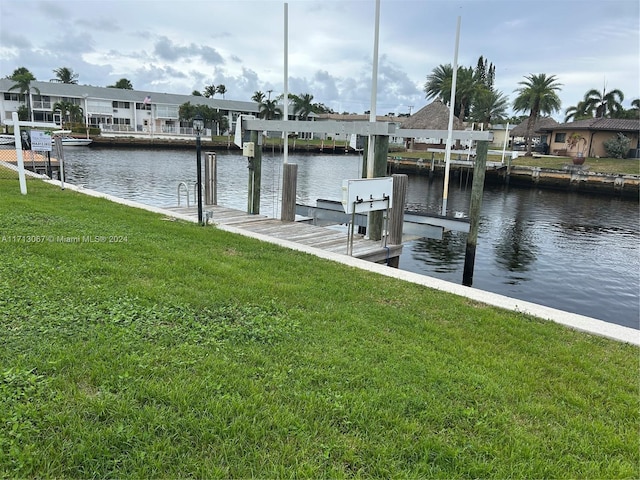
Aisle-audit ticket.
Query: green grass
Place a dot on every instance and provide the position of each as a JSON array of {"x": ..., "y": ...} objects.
[
  {"x": 625, "y": 166},
  {"x": 191, "y": 352}
]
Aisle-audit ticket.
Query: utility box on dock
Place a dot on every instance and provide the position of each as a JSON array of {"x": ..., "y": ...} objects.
[{"x": 248, "y": 149}]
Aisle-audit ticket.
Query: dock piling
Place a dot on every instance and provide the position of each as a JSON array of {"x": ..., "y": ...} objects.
[{"x": 477, "y": 188}]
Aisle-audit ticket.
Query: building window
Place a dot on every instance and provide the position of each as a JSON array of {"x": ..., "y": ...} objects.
[
  {"x": 14, "y": 97},
  {"x": 561, "y": 137},
  {"x": 120, "y": 104}
]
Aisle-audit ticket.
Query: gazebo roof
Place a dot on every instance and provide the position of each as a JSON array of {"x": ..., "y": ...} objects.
[
  {"x": 542, "y": 125},
  {"x": 434, "y": 116}
]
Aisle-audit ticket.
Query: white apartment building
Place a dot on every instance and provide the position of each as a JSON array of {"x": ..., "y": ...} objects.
[{"x": 117, "y": 111}]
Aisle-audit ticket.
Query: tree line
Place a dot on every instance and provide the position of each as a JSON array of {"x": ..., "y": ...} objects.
[{"x": 476, "y": 98}]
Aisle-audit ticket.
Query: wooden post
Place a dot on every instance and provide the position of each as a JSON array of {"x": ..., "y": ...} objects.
[
  {"x": 380, "y": 153},
  {"x": 396, "y": 215},
  {"x": 477, "y": 189},
  {"x": 255, "y": 174},
  {"x": 289, "y": 185}
]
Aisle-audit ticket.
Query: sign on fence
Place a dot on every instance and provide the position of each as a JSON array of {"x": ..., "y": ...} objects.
[{"x": 40, "y": 141}]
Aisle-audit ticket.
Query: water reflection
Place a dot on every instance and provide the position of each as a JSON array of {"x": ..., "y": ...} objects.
[
  {"x": 443, "y": 256},
  {"x": 516, "y": 250}
]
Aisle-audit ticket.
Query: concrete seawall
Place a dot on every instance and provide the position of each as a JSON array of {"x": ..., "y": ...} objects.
[{"x": 571, "y": 179}]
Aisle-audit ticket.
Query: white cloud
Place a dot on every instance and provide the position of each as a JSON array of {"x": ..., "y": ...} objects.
[{"x": 177, "y": 47}]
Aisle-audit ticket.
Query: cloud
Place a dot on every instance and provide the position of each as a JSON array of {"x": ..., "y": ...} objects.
[{"x": 168, "y": 50}]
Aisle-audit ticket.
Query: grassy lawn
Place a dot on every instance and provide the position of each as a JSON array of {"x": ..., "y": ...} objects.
[
  {"x": 625, "y": 166},
  {"x": 133, "y": 345}
]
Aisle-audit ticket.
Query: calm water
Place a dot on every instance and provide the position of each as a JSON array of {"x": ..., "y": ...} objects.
[{"x": 573, "y": 252}]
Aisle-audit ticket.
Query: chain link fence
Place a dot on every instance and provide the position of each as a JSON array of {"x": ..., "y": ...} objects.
[{"x": 35, "y": 163}]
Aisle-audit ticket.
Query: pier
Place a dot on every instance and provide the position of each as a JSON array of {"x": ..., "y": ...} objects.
[
  {"x": 37, "y": 162},
  {"x": 323, "y": 238}
]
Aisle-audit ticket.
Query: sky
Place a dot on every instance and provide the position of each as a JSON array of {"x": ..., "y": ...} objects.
[{"x": 179, "y": 46}]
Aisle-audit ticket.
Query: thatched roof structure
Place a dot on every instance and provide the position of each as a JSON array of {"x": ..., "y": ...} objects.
[
  {"x": 542, "y": 125},
  {"x": 434, "y": 116}
]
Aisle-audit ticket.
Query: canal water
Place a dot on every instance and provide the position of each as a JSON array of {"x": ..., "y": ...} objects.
[{"x": 570, "y": 251}]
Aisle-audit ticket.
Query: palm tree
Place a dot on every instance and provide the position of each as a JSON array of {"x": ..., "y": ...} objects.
[
  {"x": 489, "y": 105},
  {"x": 302, "y": 105},
  {"x": 23, "y": 79},
  {"x": 65, "y": 75},
  {"x": 258, "y": 96},
  {"x": 221, "y": 89},
  {"x": 580, "y": 111},
  {"x": 123, "y": 84},
  {"x": 537, "y": 95},
  {"x": 467, "y": 86},
  {"x": 605, "y": 104},
  {"x": 270, "y": 110},
  {"x": 210, "y": 91},
  {"x": 439, "y": 83},
  {"x": 71, "y": 112}
]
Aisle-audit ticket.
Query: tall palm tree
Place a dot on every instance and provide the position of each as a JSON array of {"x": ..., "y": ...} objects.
[
  {"x": 439, "y": 84},
  {"x": 302, "y": 105},
  {"x": 537, "y": 95},
  {"x": 65, "y": 75},
  {"x": 580, "y": 111},
  {"x": 23, "y": 79},
  {"x": 258, "y": 96},
  {"x": 210, "y": 91},
  {"x": 270, "y": 110},
  {"x": 606, "y": 104},
  {"x": 489, "y": 106},
  {"x": 221, "y": 89}
]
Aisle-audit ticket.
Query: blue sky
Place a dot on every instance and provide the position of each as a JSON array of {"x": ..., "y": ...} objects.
[{"x": 180, "y": 46}]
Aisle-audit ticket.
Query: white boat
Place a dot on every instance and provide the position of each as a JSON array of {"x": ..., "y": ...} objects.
[
  {"x": 74, "y": 142},
  {"x": 7, "y": 139}
]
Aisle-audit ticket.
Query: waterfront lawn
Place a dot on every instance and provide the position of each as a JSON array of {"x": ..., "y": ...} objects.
[{"x": 134, "y": 345}]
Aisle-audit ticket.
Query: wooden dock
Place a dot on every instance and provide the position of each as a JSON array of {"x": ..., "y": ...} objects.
[
  {"x": 323, "y": 238},
  {"x": 36, "y": 162}
]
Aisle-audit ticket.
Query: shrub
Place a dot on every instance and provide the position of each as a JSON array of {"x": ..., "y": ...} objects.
[{"x": 618, "y": 146}]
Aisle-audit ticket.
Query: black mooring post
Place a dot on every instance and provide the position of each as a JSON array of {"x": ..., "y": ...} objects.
[{"x": 477, "y": 189}]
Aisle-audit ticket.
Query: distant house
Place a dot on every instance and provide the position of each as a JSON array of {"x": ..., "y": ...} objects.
[
  {"x": 500, "y": 133},
  {"x": 595, "y": 131}
]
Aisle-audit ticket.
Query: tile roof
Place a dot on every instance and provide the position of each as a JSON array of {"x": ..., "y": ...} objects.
[{"x": 602, "y": 124}]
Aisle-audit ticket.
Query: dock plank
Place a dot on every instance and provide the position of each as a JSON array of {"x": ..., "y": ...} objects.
[{"x": 324, "y": 238}]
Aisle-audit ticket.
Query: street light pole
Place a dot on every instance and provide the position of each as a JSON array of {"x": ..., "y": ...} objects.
[{"x": 198, "y": 127}]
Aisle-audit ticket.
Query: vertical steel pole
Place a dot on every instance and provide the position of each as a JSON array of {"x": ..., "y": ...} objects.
[{"x": 452, "y": 106}]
